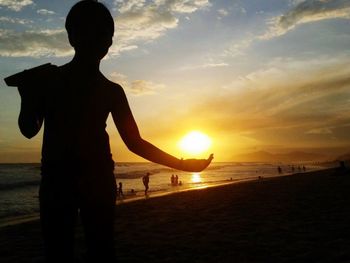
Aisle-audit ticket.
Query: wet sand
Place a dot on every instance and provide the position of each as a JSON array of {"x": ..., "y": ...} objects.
[{"x": 297, "y": 218}]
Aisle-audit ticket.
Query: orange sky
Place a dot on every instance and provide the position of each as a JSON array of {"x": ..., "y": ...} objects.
[{"x": 252, "y": 75}]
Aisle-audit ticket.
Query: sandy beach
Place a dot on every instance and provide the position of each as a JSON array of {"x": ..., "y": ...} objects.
[{"x": 297, "y": 218}]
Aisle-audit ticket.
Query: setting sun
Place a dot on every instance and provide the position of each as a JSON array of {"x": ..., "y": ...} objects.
[{"x": 195, "y": 142}]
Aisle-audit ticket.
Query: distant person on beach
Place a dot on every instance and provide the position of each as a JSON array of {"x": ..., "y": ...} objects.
[
  {"x": 176, "y": 180},
  {"x": 74, "y": 101},
  {"x": 279, "y": 169},
  {"x": 172, "y": 180},
  {"x": 145, "y": 181},
  {"x": 120, "y": 189}
]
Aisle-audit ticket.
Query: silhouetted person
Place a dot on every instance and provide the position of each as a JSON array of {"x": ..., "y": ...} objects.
[
  {"x": 145, "y": 181},
  {"x": 176, "y": 179},
  {"x": 279, "y": 169},
  {"x": 120, "y": 190},
  {"x": 172, "y": 180},
  {"x": 77, "y": 166}
]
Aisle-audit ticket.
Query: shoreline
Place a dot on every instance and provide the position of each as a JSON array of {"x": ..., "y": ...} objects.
[
  {"x": 17, "y": 220},
  {"x": 297, "y": 218}
]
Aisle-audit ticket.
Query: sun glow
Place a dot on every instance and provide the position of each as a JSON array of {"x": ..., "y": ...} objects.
[
  {"x": 196, "y": 178},
  {"x": 195, "y": 142}
]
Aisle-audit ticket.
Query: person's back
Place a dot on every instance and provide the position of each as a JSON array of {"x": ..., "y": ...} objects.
[
  {"x": 77, "y": 107},
  {"x": 77, "y": 166}
]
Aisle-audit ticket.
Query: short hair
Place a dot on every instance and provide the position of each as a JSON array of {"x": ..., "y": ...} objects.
[{"x": 86, "y": 11}]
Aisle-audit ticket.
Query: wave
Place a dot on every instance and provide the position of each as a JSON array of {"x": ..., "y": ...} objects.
[
  {"x": 136, "y": 174},
  {"x": 14, "y": 185}
]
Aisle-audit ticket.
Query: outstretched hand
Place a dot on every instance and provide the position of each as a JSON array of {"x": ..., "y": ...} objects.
[{"x": 196, "y": 165}]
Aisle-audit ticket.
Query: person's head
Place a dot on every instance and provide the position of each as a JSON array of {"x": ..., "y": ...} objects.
[{"x": 90, "y": 29}]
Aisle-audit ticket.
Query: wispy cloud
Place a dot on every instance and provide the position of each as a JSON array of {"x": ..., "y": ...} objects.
[
  {"x": 306, "y": 12},
  {"x": 182, "y": 6},
  {"x": 143, "y": 87},
  {"x": 325, "y": 130},
  {"x": 222, "y": 13},
  {"x": 238, "y": 48},
  {"x": 15, "y": 5},
  {"x": 136, "y": 87},
  {"x": 301, "y": 12},
  {"x": 285, "y": 99},
  {"x": 206, "y": 66},
  {"x": 34, "y": 43},
  {"x": 139, "y": 21},
  {"x": 141, "y": 25},
  {"x": 45, "y": 12},
  {"x": 13, "y": 20}
]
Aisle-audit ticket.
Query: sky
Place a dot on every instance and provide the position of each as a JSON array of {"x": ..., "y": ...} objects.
[{"x": 253, "y": 75}]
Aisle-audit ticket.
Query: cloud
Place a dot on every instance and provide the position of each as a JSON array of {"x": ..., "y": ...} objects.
[
  {"x": 215, "y": 65},
  {"x": 290, "y": 102},
  {"x": 143, "y": 87},
  {"x": 302, "y": 12},
  {"x": 238, "y": 47},
  {"x": 14, "y": 20},
  {"x": 142, "y": 25},
  {"x": 136, "y": 87},
  {"x": 223, "y": 12},
  {"x": 34, "y": 43},
  {"x": 306, "y": 12},
  {"x": 325, "y": 130},
  {"x": 119, "y": 78},
  {"x": 206, "y": 66},
  {"x": 139, "y": 21},
  {"x": 15, "y": 5},
  {"x": 45, "y": 12},
  {"x": 126, "y": 6},
  {"x": 183, "y": 6}
]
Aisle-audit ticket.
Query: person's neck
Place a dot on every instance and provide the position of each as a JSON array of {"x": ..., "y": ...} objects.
[{"x": 86, "y": 65}]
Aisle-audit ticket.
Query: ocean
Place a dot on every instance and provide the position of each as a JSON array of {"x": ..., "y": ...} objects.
[{"x": 19, "y": 183}]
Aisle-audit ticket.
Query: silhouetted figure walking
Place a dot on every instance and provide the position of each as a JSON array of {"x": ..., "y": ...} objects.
[
  {"x": 75, "y": 101},
  {"x": 145, "y": 181},
  {"x": 120, "y": 190}
]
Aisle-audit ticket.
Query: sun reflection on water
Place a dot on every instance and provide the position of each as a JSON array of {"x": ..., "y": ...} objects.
[{"x": 196, "y": 178}]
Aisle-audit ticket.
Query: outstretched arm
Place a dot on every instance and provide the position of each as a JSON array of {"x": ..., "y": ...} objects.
[{"x": 130, "y": 134}]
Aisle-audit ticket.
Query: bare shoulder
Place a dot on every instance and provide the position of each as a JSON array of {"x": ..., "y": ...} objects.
[{"x": 115, "y": 90}]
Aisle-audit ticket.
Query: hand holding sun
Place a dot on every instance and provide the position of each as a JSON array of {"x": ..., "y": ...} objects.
[
  {"x": 195, "y": 165},
  {"x": 195, "y": 143}
]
